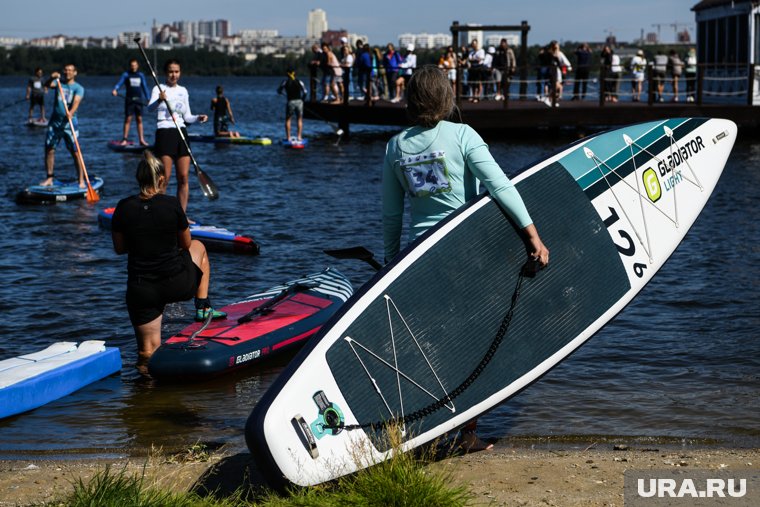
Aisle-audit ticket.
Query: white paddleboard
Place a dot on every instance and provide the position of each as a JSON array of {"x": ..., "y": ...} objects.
[{"x": 420, "y": 343}]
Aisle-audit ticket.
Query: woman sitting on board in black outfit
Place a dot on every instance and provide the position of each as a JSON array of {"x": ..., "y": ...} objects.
[{"x": 164, "y": 265}]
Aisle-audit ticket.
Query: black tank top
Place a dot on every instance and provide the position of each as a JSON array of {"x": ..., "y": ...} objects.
[{"x": 220, "y": 107}]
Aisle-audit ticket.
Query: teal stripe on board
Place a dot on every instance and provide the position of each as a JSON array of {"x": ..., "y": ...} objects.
[
  {"x": 611, "y": 148},
  {"x": 625, "y": 165},
  {"x": 605, "y": 146}
]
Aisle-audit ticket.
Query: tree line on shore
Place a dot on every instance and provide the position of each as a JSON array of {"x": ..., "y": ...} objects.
[{"x": 22, "y": 60}]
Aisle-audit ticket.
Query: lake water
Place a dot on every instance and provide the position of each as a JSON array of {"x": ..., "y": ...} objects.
[{"x": 680, "y": 364}]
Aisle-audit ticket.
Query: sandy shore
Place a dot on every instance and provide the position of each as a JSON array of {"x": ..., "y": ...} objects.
[{"x": 507, "y": 475}]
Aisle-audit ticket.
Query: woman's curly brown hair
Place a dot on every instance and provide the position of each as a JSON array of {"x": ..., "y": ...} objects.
[{"x": 430, "y": 97}]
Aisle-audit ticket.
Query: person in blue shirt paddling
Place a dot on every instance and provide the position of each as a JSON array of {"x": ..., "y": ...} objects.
[
  {"x": 58, "y": 126},
  {"x": 456, "y": 159},
  {"x": 137, "y": 95},
  {"x": 295, "y": 91}
]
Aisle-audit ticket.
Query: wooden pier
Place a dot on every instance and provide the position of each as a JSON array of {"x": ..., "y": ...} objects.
[{"x": 521, "y": 115}]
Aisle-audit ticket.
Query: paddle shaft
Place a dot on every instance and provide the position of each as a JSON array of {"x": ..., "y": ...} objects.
[
  {"x": 207, "y": 186},
  {"x": 91, "y": 195}
]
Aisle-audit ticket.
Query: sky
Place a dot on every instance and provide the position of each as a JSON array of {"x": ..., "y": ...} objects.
[{"x": 563, "y": 20}]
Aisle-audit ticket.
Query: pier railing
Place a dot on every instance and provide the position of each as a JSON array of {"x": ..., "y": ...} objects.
[{"x": 731, "y": 83}]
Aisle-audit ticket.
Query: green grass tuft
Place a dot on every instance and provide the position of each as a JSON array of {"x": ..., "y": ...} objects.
[
  {"x": 404, "y": 480},
  {"x": 118, "y": 489}
]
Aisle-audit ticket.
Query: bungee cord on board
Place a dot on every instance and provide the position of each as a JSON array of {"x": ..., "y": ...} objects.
[{"x": 448, "y": 398}]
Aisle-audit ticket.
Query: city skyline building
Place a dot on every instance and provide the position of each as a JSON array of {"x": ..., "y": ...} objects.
[{"x": 316, "y": 24}]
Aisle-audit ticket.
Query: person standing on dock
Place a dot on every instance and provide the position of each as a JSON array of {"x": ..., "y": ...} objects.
[
  {"x": 319, "y": 62},
  {"x": 616, "y": 74},
  {"x": 358, "y": 91},
  {"x": 542, "y": 73},
  {"x": 690, "y": 74},
  {"x": 582, "y": 71},
  {"x": 438, "y": 164},
  {"x": 612, "y": 73},
  {"x": 347, "y": 66},
  {"x": 295, "y": 91},
  {"x": 364, "y": 70},
  {"x": 379, "y": 77},
  {"x": 448, "y": 63},
  {"x": 475, "y": 76},
  {"x": 638, "y": 68},
  {"x": 560, "y": 66},
  {"x": 489, "y": 84},
  {"x": 333, "y": 71},
  {"x": 504, "y": 65},
  {"x": 391, "y": 64},
  {"x": 35, "y": 94},
  {"x": 137, "y": 95},
  {"x": 660, "y": 69},
  {"x": 407, "y": 66},
  {"x": 59, "y": 126},
  {"x": 675, "y": 68}
]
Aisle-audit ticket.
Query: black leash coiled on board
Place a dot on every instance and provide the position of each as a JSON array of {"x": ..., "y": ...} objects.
[{"x": 526, "y": 270}]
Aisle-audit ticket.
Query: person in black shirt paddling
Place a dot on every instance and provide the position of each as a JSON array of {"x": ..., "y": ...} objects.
[
  {"x": 35, "y": 93},
  {"x": 164, "y": 265},
  {"x": 295, "y": 91},
  {"x": 222, "y": 115}
]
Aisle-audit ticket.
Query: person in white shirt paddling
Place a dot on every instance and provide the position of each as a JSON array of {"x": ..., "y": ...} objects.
[{"x": 169, "y": 146}]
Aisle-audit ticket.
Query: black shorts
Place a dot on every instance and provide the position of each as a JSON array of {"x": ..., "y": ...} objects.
[
  {"x": 132, "y": 107},
  {"x": 146, "y": 299},
  {"x": 169, "y": 143},
  {"x": 36, "y": 100}
]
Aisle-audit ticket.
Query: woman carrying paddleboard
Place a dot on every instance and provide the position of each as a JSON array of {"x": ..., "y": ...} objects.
[
  {"x": 164, "y": 264},
  {"x": 169, "y": 145},
  {"x": 439, "y": 164}
]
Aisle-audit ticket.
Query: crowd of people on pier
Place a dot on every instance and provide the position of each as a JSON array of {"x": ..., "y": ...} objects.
[{"x": 373, "y": 73}]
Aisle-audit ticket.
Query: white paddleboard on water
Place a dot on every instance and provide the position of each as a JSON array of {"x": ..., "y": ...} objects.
[{"x": 451, "y": 328}]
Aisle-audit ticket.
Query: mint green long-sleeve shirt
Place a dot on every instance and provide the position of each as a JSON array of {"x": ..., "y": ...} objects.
[{"x": 439, "y": 169}]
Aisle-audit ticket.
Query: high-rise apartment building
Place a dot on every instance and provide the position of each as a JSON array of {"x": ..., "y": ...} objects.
[{"x": 317, "y": 24}]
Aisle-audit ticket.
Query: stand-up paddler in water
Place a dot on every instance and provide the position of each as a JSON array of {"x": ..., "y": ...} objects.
[
  {"x": 59, "y": 126},
  {"x": 169, "y": 145},
  {"x": 137, "y": 94}
]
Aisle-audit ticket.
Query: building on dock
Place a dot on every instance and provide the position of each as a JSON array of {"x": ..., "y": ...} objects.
[
  {"x": 728, "y": 47},
  {"x": 728, "y": 31}
]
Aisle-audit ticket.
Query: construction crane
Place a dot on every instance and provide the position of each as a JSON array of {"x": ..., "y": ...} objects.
[
  {"x": 658, "y": 25},
  {"x": 676, "y": 25},
  {"x": 610, "y": 39}
]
